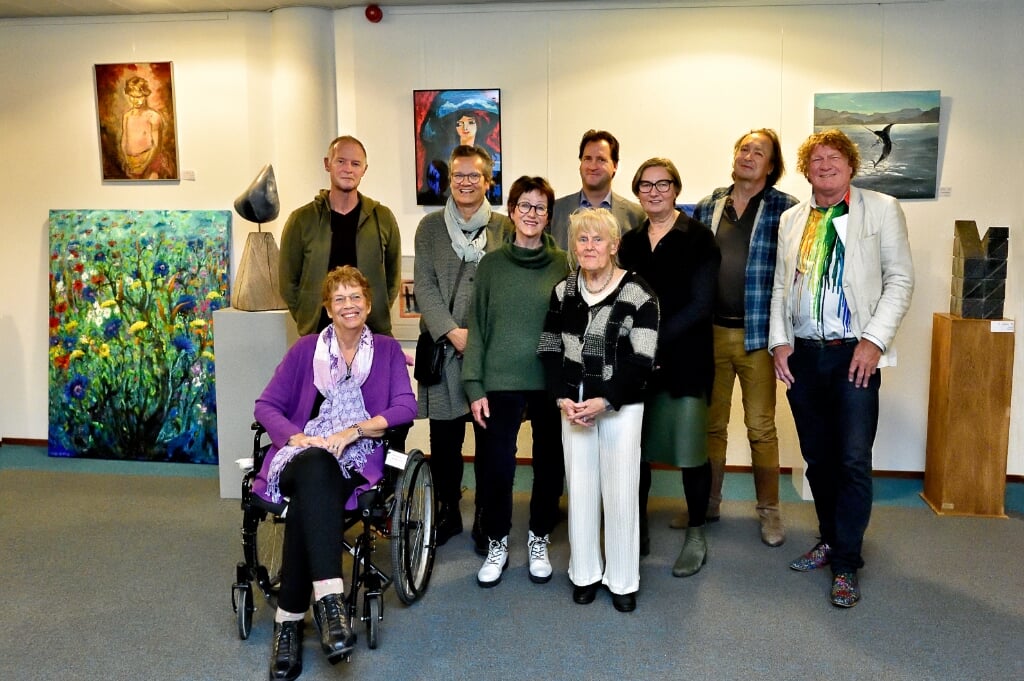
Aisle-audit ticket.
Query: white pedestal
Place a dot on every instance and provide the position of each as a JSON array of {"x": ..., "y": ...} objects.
[{"x": 248, "y": 347}]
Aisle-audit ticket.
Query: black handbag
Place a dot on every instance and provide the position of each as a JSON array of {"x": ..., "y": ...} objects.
[
  {"x": 430, "y": 353},
  {"x": 429, "y": 360}
]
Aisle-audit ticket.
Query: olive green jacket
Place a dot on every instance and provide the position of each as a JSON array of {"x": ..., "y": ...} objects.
[{"x": 306, "y": 248}]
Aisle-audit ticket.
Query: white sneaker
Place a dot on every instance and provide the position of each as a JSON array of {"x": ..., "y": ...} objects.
[
  {"x": 494, "y": 564},
  {"x": 540, "y": 566}
]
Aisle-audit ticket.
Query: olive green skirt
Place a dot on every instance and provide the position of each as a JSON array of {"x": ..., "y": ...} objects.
[{"x": 675, "y": 430}]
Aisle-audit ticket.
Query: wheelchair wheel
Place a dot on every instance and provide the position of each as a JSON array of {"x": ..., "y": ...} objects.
[
  {"x": 373, "y": 621},
  {"x": 412, "y": 524},
  {"x": 242, "y": 602},
  {"x": 269, "y": 546}
]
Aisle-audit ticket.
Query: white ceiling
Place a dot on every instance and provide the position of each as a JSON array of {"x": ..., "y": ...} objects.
[
  {"x": 22, "y": 9},
  {"x": 80, "y": 8}
]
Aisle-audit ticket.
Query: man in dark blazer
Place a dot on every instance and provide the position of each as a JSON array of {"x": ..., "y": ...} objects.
[{"x": 599, "y": 159}]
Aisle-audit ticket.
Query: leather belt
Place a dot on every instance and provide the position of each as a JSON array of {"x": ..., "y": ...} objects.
[{"x": 821, "y": 343}]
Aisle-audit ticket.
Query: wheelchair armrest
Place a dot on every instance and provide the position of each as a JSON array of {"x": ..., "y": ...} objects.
[{"x": 259, "y": 449}]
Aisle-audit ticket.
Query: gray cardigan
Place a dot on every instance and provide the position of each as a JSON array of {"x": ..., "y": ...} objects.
[{"x": 435, "y": 271}]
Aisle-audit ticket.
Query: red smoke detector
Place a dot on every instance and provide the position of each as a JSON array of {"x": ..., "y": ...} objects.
[{"x": 374, "y": 13}]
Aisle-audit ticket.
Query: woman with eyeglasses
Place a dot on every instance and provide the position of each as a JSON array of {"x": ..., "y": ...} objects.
[
  {"x": 449, "y": 246},
  {"x": 326, "y": 409},
  {"x": 678, "y": 257},
  {"x": 504, "y": 378}
]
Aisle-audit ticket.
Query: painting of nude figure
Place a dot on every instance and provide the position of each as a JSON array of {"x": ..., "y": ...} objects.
[{"x": 138, "y": 133}]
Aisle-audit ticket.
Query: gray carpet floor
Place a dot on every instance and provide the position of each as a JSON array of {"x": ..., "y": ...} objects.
[{"x": 128, "y": 577}]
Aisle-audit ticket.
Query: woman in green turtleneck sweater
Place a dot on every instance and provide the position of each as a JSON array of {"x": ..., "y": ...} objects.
[{"x": 504, "y": 378}]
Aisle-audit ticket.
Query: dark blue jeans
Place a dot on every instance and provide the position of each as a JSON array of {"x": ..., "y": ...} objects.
[
  {"x": 498, "y": 460},
  {"x": 836, "y": 423}
]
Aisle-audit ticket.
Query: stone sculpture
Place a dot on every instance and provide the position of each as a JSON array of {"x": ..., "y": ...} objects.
[
  {"x": 979, "y": 271},
  {"x": 256, "y": 286}
]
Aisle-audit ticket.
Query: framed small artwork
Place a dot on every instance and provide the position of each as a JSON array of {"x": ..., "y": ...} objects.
[
  {"x": 405, "y": 313},
  {"x": 138, "y": 131},
  {"x": 407, "y": 306},
  {"x": 445, "y": 119},
  {"x": 897, "y": 133}
]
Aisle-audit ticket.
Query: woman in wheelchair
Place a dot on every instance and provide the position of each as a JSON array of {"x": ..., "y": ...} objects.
[{"x": 325, "y": 409}]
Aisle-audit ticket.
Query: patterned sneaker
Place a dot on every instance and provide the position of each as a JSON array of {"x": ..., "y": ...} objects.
[
  {"x": 495, "y": 563},
  {"x": 845, "y": 590},
  {"x": 540, "y": 566},
  {"x": 813, "y": 559}
]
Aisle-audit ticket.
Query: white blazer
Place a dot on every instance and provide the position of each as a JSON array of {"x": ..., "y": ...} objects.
[{"x": 878, "y": 274}]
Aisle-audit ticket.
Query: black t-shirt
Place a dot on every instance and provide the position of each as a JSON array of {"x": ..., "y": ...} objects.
[{"x": 343, "y": 246}]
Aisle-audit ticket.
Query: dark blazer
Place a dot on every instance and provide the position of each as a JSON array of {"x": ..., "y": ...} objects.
[
  {"x": 683, "y": 271},
  {"x": 629, "y": 215}
]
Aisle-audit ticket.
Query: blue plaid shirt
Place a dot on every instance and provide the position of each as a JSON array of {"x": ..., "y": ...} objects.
[{"x": 760, "y": 271}]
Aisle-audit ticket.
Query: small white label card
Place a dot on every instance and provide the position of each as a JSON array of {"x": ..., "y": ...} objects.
[
  {"x": 396, "y": 459},
  {"x": 1002, "y": 326}
]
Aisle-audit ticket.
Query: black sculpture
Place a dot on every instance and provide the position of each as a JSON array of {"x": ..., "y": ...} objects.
[
  {"x": 979, "y": 271},
  {"x": 259, "y": 203}
]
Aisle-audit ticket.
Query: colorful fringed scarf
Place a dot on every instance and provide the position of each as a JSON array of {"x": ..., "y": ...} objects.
[
  {"x": 821, "y": 262},
  {"x": 342, "y": 406}
]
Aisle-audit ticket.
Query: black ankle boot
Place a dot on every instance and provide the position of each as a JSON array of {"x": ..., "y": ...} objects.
[
  {"x": 449, "y": 523},
  {"x": 336, "y": 637},
  {"x": 286, "y": 654}
]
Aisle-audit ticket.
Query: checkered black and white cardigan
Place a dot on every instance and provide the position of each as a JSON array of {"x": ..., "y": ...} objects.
[{"x": 608, "y": 349}]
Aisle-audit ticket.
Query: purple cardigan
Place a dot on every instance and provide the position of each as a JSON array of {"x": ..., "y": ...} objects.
[{"x": 287, "y": 401}]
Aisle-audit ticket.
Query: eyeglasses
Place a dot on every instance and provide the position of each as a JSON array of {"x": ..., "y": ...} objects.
[
  {"x": 525, "y": 207},
  {"x": 472, "y": 178},
  {"x": 645, "y": 187}
]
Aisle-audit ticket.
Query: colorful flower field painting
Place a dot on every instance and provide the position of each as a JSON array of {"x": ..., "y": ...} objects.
[{"x": 131, "y": 363}]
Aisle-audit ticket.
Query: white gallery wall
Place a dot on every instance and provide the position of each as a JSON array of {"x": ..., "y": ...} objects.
[{"x": 668, "y": 80}]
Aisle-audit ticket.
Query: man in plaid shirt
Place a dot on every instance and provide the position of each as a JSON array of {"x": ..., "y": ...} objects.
[{"x": 745, "y": 219}]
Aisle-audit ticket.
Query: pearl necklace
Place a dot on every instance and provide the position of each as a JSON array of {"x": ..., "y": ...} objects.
[{"x": 607, "y": 280}]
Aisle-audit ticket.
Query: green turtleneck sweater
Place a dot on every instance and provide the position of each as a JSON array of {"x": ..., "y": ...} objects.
[{"x": 510, "y": 300}]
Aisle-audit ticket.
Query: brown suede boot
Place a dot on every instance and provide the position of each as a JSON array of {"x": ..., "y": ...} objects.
[
  {"x": 715, "y": 500},
  {"x": 766, "y": 485}
]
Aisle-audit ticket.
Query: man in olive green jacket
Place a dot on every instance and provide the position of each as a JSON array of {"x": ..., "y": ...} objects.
[{"x": 340, "y": 227}]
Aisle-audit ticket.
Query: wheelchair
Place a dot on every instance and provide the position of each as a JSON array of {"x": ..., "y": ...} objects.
[{"x": 400, "y": 508}]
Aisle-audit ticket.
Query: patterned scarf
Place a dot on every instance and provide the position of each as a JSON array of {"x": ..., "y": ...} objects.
[
  {"x": 342, "y": 407},
  {"x": 459, "y": 228},
  {"x": 821, "y": 262}
]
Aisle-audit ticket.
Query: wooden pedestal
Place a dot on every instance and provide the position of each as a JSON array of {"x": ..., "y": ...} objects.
[{"x": 968, "y": 416}]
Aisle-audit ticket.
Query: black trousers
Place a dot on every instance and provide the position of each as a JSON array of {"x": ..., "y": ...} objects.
[
  {"x": 446, "y": 440},
  {"x": 497, "y": 451},
  {"x": 317, "y": 492}
]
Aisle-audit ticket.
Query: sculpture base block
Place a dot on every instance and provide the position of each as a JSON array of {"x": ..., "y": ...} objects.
[{"x": 256, "y": 288}]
